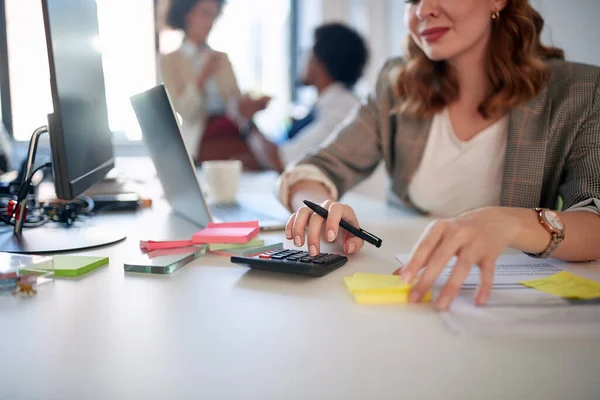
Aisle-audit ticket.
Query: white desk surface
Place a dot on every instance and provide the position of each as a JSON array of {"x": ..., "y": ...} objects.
[{"x": 213, "y": 330}]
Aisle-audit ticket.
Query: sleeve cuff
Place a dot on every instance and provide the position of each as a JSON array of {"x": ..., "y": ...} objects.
[
  {"x": 590, "y": 205},
  {"x": 299, "y": 173}
]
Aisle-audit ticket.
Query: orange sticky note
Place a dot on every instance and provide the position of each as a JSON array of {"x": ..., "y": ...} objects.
[{"x": 227, "y": 232}]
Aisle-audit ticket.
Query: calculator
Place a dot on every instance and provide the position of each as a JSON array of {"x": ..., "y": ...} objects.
[{"x": 293, "y": 262}]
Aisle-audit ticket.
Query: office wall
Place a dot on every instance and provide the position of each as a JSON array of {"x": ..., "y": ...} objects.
[{"x": 573, "y": 25}]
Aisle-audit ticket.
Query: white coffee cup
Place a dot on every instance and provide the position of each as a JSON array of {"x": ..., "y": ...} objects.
[{"x": 223, "y": 179}]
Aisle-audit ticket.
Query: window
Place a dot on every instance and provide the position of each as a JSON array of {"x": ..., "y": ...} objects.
[
  {"x": 129, "y": 60},
  {"x": 254, "y": 34}
]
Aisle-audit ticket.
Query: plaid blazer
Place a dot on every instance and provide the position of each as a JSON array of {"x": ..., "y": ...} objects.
[{"x": 553, "y": 143}]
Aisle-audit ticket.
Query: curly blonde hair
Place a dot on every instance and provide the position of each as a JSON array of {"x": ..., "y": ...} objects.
[{"x": 517, "y": 68}]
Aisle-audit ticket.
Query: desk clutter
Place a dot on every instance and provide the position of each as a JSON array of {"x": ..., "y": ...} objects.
[
  {"x": 22, "y": 274},
  {"x": 529, "y": 297},
  {"x": 227, "y": 239}
]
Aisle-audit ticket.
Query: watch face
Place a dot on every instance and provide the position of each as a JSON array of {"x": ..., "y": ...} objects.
[{"x": 553, "y": 220}]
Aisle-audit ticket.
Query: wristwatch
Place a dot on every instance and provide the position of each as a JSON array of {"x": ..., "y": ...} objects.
[{"x": 553, "y": 224}]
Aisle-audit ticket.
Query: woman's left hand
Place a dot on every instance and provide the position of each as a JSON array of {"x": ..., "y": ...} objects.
[{"x": 475, "y": 238}]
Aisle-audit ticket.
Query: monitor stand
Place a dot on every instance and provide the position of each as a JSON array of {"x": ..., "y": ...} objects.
[
  {"x": 55, "y": 238},
  {"x": 52, "y": 237}
]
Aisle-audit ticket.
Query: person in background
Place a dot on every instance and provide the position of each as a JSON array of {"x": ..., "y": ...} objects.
[
  {"x": 479, "y": 125},
  {"x": 336, "y": 63},
  {"x": 204, "y": 89}
]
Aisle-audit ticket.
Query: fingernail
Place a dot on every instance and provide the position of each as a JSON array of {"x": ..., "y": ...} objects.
[
  {"x": 313, "y": 251},
  {"x": 443, "y": 302},
  {"x": 331, "y": 236},
  {"x": 414, "y": 297},
  {"x": 288, "y": 235},
  {"x": 298, "y": 241},
  {"x": 351, "y": 248}
]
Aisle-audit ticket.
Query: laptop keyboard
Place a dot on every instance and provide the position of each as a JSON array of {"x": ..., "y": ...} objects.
[{"x": 235, "y": 212}]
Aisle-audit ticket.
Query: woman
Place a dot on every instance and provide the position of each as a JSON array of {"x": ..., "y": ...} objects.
[
  {"x": 204, "y": 88},
  {"x": 479, "y": 124}
]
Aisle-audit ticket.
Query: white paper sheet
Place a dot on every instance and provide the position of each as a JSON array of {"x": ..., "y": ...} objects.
[
  {"x": 510, "y": 271},
  {"x": 527, "y": 313}
]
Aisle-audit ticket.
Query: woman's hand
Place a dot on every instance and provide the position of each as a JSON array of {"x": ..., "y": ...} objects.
[
  {"x": 211, "y": 66},
  {"x": 475, "y": 238},
  {"x": 248, "y": 106},
  {"x": 305, "y": 220}
]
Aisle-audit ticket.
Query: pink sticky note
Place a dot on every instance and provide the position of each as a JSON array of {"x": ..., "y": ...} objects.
[
  {"x": 227, "y": 232},
  {"x": 150, "y": 245}
]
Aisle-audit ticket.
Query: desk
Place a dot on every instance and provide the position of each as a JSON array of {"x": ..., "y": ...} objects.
[{"x": 213, "y": 330}]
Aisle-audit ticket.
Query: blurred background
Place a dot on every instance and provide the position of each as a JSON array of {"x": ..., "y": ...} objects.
[{"x": 266, "y": 40}]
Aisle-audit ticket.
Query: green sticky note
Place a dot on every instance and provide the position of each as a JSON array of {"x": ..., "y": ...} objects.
[
  {"x": 73, "y": 265},
  {"x": 222, "y": 246}
]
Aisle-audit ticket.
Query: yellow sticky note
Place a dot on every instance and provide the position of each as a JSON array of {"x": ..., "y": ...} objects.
[
  {"x": 376, "y": 283},
  {"x": 565, "y": 284},
  {"x": 387, "y": 298},
  {"x": 379, "y": 289}
]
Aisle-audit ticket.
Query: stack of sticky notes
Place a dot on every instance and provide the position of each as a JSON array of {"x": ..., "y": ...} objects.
[
  {"x": 379, "y": 289},
  {"x": 256, "y": 242},
  {"x": 71, "y": 266},
  {"x": 227, "y": 232},
  {"x": 250, "y": 250},
  {"x": 234, "y": 238},
  {"x": 566, "y": 285}
]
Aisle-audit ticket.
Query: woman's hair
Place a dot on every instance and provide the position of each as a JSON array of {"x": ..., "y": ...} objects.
[
  {"x": 516, "y": 68},
  {"x": 179, "y": 9}
]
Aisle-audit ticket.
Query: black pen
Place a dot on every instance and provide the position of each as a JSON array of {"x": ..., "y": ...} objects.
[{"x": 361, "y": 233}]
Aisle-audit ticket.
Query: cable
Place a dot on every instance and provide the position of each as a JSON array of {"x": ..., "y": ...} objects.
[
  {"x": 25, "y": 186},
  {"x": 21, "y": 195}
]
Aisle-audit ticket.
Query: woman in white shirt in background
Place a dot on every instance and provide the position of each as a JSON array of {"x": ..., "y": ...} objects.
[{"x": 200, "y": 80}]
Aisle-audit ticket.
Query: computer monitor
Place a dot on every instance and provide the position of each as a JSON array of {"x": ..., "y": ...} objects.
[{"x": 80, "y": 137}]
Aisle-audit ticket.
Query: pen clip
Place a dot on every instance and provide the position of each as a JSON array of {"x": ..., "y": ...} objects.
[{"x": 375, "y": 238}]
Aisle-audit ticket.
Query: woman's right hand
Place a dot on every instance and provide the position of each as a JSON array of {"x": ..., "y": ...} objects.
[
  {"x": 211, "y": 66},
  {"x": 316, "y": 228}
]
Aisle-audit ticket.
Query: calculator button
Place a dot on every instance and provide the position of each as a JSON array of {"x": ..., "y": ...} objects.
[{"x": 264, "y": 256}]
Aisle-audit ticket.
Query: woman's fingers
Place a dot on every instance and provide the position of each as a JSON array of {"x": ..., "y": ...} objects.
[
  {"x": 289, "y": 226},
  {"x": 450, "y": 291},
  {"x": 423, "y": 250},
  {"x": 313, "y": 234},
  {"x": 306, "y": 222},
  {"x": 300, "y": 223},
  {"x": 486, "y": 281}
]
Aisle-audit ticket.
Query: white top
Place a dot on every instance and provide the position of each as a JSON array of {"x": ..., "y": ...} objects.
[
  {"x": 332, "y": 107},
  {"x": 446, "y": 183},
  {"x": 198, "y": 56}
]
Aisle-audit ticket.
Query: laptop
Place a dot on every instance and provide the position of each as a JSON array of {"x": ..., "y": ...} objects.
[{"x": 176, "y": 170}]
